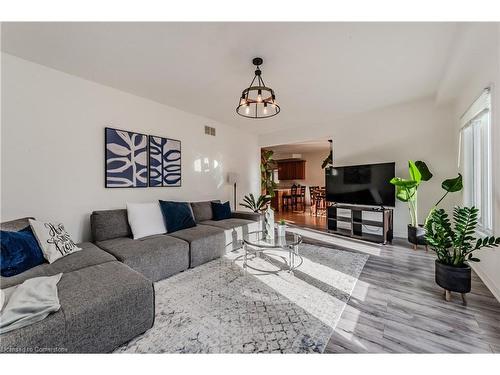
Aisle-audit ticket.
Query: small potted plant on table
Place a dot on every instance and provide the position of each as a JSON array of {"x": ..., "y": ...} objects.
[
  {"x": 454, "y": 247},
  {"x": 281, "y": 228}
]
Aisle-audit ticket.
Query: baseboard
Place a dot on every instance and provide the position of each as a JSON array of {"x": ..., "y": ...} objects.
[{"x": 486, "y": 280}]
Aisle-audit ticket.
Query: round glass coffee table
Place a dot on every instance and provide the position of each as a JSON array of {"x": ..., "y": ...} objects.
[{"x": 256, "y": 243}]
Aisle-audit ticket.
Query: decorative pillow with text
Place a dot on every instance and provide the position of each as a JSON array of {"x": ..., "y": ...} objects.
[{"x": 53, "y": 239}]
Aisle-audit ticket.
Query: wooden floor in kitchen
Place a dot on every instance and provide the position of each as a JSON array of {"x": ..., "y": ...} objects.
[
  {"x": 303, "y": 219},
  {"x": 396, "y": 307}
]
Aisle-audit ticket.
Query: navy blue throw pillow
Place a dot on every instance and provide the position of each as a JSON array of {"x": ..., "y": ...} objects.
[
  {"x": 19, "y": 251},
  {"x": 177, "y": 215},
  {"x": 221, "y": 211}
]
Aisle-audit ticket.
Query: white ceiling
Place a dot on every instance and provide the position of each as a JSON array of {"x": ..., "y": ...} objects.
[{"x": 320, "y": 71}]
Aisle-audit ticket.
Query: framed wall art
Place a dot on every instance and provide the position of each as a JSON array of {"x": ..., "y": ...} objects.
[
  {"x": 126, "y": 159},
  {"x": 164, "y": 161}
]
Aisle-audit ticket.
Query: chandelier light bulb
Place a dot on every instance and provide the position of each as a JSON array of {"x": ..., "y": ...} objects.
[
  {"x": 259, "y": 96},
  {"x": 264, "y": 111},
  {"x": 247, "y": 109}
]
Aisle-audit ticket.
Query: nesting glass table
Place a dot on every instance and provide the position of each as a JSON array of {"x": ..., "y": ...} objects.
[{"x": 256, "y": 243}]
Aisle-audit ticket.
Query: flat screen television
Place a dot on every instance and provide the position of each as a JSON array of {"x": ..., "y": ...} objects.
[{"x": 361, "y": 184}]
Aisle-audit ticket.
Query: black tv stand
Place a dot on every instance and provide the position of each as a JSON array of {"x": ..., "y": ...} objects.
[{"x": 358, "y": 225}]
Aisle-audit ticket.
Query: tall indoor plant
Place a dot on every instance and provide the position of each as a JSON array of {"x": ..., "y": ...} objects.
[
  {"x": 455, "y": 246},
  {"x": 268, "y": 186},
  {"x": 407, "y": 191}
]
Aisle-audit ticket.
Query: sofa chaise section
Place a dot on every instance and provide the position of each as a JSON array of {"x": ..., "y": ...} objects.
[
  {"x": 102, "y": 307},
  {"x": 156, "y": 257},
  {"x": 104, "y": 304}
]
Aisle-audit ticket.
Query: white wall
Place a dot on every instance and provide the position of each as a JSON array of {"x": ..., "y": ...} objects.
[
  {"x": 483, "y": 50},
  {"x": 52, "y": 147},
  {"x": 418, "y": 130}
]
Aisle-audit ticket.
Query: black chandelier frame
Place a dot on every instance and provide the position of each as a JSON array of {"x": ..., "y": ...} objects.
[{"x": 268, "y": 102}]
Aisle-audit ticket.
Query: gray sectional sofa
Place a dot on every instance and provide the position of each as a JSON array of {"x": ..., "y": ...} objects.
[{"x": 106, "y": 292}]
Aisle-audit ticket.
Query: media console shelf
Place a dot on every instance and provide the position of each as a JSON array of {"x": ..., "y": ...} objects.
[{"x": 358, "y": 226}]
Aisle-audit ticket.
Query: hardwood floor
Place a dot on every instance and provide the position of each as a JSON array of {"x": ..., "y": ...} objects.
[
  {"x": 396, "y": 307},
  {"x": 303, "y": 219}
]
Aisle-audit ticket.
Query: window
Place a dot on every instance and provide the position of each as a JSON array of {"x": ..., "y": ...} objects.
[{"x": 475, "y": 136}]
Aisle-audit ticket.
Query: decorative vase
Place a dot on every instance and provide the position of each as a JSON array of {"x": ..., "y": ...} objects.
[
  {"x": 268, "y": 224},
  {"x": 453, "y": 279},
  {"x": 281, "y": 230}
]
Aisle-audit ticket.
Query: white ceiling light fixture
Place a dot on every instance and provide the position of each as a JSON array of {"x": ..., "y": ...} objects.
[{"x": 258, "y": 101}]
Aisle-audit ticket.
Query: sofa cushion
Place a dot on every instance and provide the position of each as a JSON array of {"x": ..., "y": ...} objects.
[
  {"x": 15, "y": 225},
  {"x": 255, "y": 216},
  {"x": 156, "y": 257},
  {"x": 145, "y": 219},
  {"x": 234, "y": 230},
  {"x": 53, "y": 239},
  {"x": 205, "y": 243},
  {"x": 177, "y": 215},
  {"x": 19, "y": 251},
  {"x": 230, "y": 223},
  {"x": 221, "y": 211},
  {"x": 89, "y": 256},
  {"x": 109, "y": 224},
  {"x": 102, "y": 307},
  {"x": 202, "y": 210}
]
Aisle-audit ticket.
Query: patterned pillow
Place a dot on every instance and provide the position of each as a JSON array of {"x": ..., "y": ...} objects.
[{"x": 53, "y": 239}]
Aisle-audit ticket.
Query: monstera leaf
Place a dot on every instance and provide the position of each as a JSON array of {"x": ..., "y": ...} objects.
[
  {"x": 405, "y": 189},
  {"x": 424, "y": 170},
  {"x": 415, "y": 174},
  {"x": 453, "y": 185}
]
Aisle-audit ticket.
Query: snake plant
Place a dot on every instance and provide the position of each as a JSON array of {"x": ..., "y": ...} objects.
[
  {"x": 256, "y": 205},
  {"x": 455, "y": 245}
]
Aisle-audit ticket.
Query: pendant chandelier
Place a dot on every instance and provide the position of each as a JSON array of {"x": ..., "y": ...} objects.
[{"x": 258, "y": 101}]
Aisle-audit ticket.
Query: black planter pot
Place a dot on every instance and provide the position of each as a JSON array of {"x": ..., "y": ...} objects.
[
  {"x": 416, "y": 235},
  {"x": 454, "y": 279}
]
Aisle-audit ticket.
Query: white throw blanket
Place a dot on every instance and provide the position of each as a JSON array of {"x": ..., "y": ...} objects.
[{"x": 29, "y": 302}]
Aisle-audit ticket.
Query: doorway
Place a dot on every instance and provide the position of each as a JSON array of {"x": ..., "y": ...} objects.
[{"x": 294, "y": 175}]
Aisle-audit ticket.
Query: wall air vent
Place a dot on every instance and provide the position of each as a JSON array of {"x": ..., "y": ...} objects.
[{"x": 209, "y": 130}]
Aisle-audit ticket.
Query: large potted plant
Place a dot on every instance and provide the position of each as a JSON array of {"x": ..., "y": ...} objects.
[
  {"x": 407, "y": 191},
  {"x": 267, "y": 164},
  {"x": 454, "y": 246}
]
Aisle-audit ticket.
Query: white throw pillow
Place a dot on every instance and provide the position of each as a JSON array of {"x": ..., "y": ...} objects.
[
  {"x": 145, "y": 219},
  {"x": 53, "y": 239}
]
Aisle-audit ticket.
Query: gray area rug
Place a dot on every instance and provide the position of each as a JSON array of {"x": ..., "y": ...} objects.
[{"x": 220, "y": 308}]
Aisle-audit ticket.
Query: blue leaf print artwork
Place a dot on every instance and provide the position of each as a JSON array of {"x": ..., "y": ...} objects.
[
  {"x": 164, "y": 161},
  {"x": 126, "y": 159},
  {"x": 172, "y": 163},
  {"x": 155, "y": 160}
]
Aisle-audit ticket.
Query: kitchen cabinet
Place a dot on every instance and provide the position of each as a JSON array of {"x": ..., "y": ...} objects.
[{"x": 293, "y": 169}]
